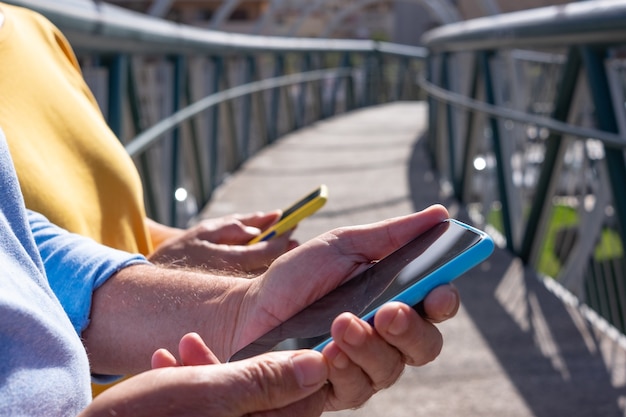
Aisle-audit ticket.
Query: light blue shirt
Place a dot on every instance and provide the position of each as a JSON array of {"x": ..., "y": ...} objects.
[{"x": 47, "y": 278}]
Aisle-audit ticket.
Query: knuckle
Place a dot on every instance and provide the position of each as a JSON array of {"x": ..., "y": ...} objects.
[{"x": 266, "y": 381}]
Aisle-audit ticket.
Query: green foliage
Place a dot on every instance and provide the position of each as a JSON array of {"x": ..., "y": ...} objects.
[{"x": 565, "y": 217}]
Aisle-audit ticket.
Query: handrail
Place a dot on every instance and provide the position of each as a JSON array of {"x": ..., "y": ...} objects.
[
  {"x": 587, "y": 22},
  {"x": 149, "y": 136},
  {"x": 610, "y": 140},
  {"x": 100, "y": 27}
]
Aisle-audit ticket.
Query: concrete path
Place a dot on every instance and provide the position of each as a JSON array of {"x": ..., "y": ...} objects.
[{"x": 514, "y": 349}]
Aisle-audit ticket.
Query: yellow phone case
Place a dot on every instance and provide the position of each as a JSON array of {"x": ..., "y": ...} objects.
[{"x": 293, "y": 215}]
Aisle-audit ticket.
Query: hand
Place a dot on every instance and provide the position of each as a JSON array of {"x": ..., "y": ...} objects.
[
  {"x": 305, "y": 274},
  {"x": 221, "y": 243},
  {"x": 362, "y": 360},
  {"x": 276, "y": 383}
]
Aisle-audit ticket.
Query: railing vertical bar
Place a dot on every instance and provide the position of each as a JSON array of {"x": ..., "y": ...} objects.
[
  {"x": 607, "y": 121},
  {"x": 247, "y": 109},
  {"x": 345, "y": 62},
  {"x": 118, "y": 85},
  {"x": 195, "y": 154},
  {"x": 433, "y": 109},
  {"x": 152, "y": 207},
  {"x": 279, "y": 69},
  {"x": 305, "y": 66},
  {"x": 450, "y": 126},
  {"x": 539, "y": 211},
  {"x": 349, "y": 85},
  {"x": 400, "y": 78},
  {"x": 471, "y": 138},
  {"x": 258, "y": 102},
  {"x": 218, "y": 62},
  {"x": 230, "y": 133},
  {"x": 499, "y": 151},
  {"x": 178, "y": 88}
]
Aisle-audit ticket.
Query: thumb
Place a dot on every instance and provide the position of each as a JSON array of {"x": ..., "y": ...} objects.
[{"x": 276, "y": 380}]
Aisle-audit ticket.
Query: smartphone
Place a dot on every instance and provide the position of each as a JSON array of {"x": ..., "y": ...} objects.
[
  {"x": 292, "y": 215},
  {"x": 436, "y": 257}
]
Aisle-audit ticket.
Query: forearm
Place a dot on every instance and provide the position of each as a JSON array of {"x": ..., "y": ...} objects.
[{"x": 142, "y": 308}]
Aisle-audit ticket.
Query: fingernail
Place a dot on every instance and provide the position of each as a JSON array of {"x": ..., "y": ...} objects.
[
  {"x": 335, "y": 356},
  {"x": 252, "y": 230},
  {"x": 341, "y": 361},
  {"x": 354, "y": 335},
  {"x": 452, "y": 300},
  {"x": 399, "y": 324},
  {"x": 310, "y": 368}
]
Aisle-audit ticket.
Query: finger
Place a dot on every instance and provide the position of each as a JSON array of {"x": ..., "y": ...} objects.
[
  {"x": 232, "y": 233},
  {"x": 379, "y": 360},
  {"x": 260, "y": 220},
  {"x": 276, "y": 379},
  {"x": 349, "y": 385},
  {"x": 162, "y": 358},
  {"x": 417, "y": 339},
  {"x": 441, "y": 303},
  {"x": 273, "y": 384},
  {"x": 193, "y": 351}
]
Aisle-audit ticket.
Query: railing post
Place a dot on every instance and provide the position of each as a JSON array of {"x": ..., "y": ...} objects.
[
  {"x": 279, "y": 69},
  {"x": 345, "y": 62},
  {"x": 401, "y": 77},
  {"x": 302, "y": 110},
  {"x": 218, "y": 63},
  {"x": 178, "y": 88},
  {"x": 247, "y": 108},
  {"x": 470, "y": 138},
  {"x": 450, "y": 126},
  {"x": 553, "y": 155},
  {"x": 501, "y": 169},
  {"x": 607, "y": 121},
  {"x": 118, "y": 85},
  {"x": 152, "y": 207}
]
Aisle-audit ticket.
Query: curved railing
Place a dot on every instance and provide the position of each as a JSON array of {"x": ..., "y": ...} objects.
[
  {"x": 191, "y": 105},
  {"x": 531, "y": 136}
]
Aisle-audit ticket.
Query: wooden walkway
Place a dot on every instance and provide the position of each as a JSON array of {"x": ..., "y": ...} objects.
[{"x": 514, "y": 350}]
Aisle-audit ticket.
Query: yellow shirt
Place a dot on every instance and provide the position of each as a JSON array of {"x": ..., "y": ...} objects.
[{"x": 70, "y": 165}]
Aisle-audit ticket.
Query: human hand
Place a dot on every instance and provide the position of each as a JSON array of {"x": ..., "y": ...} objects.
[
  {"x": 362, "y": 359},
  {"x": 221, "y": 244},
  {"x": 276, "y": 384},
  {"x": 305, "y": 274}
]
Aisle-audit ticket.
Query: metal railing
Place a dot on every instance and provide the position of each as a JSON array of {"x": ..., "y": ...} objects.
[
  {"x": 191, "y": 105},
  {"x": 531, "y": 136}
]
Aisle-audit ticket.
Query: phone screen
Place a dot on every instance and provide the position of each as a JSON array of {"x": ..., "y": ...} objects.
[{"x": 398, "y": 277}]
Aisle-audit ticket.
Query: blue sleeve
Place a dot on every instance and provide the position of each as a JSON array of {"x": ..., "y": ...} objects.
[{"x": 76, "y": 266}]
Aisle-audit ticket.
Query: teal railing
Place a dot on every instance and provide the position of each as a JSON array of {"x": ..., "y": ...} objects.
[
  {"x": 528, "y": 125},
  {"x": 191, "y": 105}
]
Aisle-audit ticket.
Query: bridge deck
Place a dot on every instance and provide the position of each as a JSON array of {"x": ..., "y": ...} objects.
[{"x": 514, "y": 349}]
